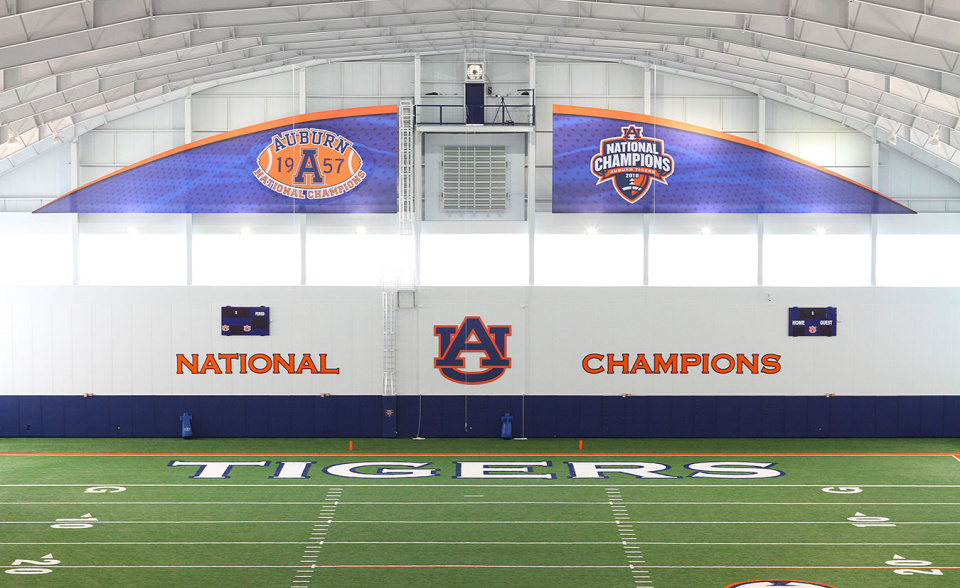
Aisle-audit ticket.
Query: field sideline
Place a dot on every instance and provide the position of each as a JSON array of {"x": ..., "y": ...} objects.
[{"x": 661, "y": 513}]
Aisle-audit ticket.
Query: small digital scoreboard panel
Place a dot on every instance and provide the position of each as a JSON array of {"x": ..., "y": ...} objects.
[
  {"x": 813, "y": 322},
  {"x": 245, "y": 320}
]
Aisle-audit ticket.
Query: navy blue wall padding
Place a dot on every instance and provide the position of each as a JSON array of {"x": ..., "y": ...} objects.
[
  {"x": 728, "y": 419},
  {"x": 681, "y": 415},
  {"x": 887, "y": 421},
  {"x": 255, "y": 425},
  {"x": 74, "y": 416},
  {"x": 52, "y": 409},
  {"x": 841, "y": 416},
  {"x": 909, "y": 416},
  {"x": 445, "y": 416},
  {"x": 751, "y": 416},
  {"x": 951, "y": 416},
  {"x": 542, "y": 416},
  {"x": 31, "y": 422},
  {"x": 658, "y": 416},
  {"x": 388, "y": 417},
  {"x": 931, "y": 415},
  {"x": 98, "y": 416},
  {"x": 121, "y": 416},
  {"x": 369, "y": 407},
  {"x": 772, "y": 416},
  {"x": 452, "y": 416},
  {"x": 143, "y": 421},
  {"x": 214, "y": 417},
  {"x": 566, "y": 415},
  {"x": 591, "y": 417},
  {"x": 864, "y": 413},
  {"x": 10, "y": 416}
]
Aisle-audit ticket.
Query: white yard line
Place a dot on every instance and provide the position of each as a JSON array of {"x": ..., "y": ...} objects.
[
  {"x": 492, "y": 502},
  {"x": 394, "y": 522},
  {"x": 711, "y": 543}
]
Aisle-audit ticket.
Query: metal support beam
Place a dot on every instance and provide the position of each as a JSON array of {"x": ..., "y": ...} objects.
[
  {"x": 647, "y": 92},
  {"x": 302, "y": 221},
  {"x": 188, "y": 233},
  {"x": 75, "y": 241},
  {"x": 761, "y": 120},
  {"x": 301, "y": 90},
  {"x": 759, "y": 249},
  {"x": 188, "y": 119},
  {"x": 532, "y": 182},
  {"x": 646, "y": 249},
  {"x": 417, "y": 80},
  {"x": 874, "y": 225}
]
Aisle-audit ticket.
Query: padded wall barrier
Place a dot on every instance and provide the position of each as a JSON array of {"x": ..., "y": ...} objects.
[{"x": 479, "y": 416}]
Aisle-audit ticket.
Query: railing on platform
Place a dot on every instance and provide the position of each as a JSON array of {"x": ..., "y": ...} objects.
[{"x": 505, "y": 109}]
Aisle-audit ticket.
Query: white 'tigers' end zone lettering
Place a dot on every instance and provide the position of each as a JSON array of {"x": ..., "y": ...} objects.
[
  {"x": 472, "y": 470},
  {"x": 475, "y": 470},
  {"x": 734, "y": 470},
  {"x": 594, "y": 470},
  {"x": 408, "y": 469}
]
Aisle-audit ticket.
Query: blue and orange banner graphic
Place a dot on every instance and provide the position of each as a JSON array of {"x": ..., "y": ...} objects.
[
  {"x": 614, "y": 161},
  {"x": 342, "y": 161}
]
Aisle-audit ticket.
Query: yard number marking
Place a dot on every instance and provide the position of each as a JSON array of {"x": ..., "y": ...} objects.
[
  {"x": 104, "y": 489},
  {"x": 84, "y": 522},
  {"x": 843, "y": 490},
  {"x": 47, "y": 561},
  {"x": 861, "y": 520},
  {"x": 908, "y": 571}
]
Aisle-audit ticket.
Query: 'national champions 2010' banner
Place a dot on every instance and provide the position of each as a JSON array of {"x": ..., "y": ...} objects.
[
  {"x": 342, "y": 161},
  {"x": 612, "y": 161}
]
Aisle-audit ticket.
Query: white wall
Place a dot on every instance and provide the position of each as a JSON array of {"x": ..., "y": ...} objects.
[{"x": 77, "y": 340}]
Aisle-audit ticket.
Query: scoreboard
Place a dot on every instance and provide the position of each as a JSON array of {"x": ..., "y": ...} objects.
[
  {"x": 813, "y": 322},
  {"x": 245, "y": 320}
]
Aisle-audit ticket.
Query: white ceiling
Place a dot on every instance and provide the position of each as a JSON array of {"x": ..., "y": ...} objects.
[{"x": 881, "y": 66}]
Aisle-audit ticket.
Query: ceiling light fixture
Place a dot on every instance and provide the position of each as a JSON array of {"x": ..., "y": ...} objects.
[{"x": 934, "y": 137}]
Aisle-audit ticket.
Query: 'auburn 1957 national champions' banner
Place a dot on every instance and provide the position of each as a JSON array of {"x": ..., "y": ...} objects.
[
  {"x": 338, "y": 161},
  {"x": 612, "y": 161}
]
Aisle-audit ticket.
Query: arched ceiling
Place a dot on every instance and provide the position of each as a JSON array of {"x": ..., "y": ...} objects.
[{"x": 885, "y": 67}]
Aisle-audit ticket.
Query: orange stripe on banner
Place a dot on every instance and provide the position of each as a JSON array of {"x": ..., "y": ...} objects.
[
  {"x": 300, "y": 118},
  {"x": 636, "y": 117},
  {"x": 421, "y": 454}
]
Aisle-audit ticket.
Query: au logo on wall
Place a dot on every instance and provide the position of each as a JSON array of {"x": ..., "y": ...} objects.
[
  {"x": 470, "y": 337},
  {"x": 341, "y": 161}
]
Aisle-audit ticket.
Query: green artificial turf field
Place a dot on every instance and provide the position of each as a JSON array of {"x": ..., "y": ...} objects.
[{"x": 617, "y": 512}]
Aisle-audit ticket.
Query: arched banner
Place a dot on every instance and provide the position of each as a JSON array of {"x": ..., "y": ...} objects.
[
  {"x": 339, "y": 161},
  {"x": 612, "y": 161}
]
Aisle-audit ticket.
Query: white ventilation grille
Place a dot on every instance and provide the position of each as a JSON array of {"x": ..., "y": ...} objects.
[{"x": 474, "y": 178}]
